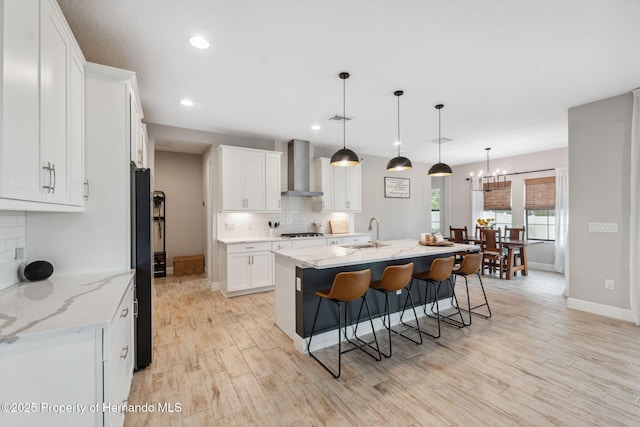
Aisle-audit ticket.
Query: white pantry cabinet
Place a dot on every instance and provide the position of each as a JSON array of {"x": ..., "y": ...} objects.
[
  {"x": 246, "y": 267},
  {"x": 42, "y": 107},
  {"x": 249, "y": 179},
  {"x": 341, "y": 186}
]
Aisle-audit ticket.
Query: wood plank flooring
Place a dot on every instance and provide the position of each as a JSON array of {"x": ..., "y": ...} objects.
[{"x": 534, "y": 363}]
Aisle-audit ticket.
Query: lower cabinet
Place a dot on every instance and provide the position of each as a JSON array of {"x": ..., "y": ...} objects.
[
  {"x": 246, "y": 268},
  {"x": 78, "y": 378}
]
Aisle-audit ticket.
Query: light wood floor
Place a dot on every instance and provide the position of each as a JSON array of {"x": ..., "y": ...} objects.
[{"x": 534, "y": 363}]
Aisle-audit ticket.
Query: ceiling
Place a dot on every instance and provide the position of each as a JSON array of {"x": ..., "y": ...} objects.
[{"x": 506, "y": 70}]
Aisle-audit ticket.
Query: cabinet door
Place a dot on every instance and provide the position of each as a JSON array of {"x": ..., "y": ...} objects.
[
  {"x": 134, "y": 123},
  {"x": 231, "y": 180},
  {"x": 272, "y": 182},
  {"x": 76, "y": 129},
  {"x": 339, "y": 187},
  {"x": 326, "y": 183},
  {"x": 261, "y": 269},
  {"x": 238, "y": 272},
  {"x": 254, "y": 181},
  {"x": 54, "y": 124},
  {"x": 352, "y": 188},
  {"x": 20, "y": 175}
]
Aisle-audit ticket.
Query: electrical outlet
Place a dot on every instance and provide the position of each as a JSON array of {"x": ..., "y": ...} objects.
[
  {"x": 298, "y": 284},
  {"x": 229, "y": 226},
  {"x": 608, "y": 284},
  {"x": 399, "y": 292}
]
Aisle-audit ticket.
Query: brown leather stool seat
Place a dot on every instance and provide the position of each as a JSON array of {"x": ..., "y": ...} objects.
[
  {"x": 439, "y": 273},
  {"x": 396, "y": 278},
  {"x": 471, "y": 264},
  {"x": 347, "y": 286}
]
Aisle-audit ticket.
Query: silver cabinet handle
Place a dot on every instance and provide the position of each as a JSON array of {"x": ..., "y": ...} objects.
[
  {"x": 249, "y": 247},
  {"x": 135, "y": 307},
  {"x": 50, "y": 186},
  {"x": 125, "y": 312},
  {"x": 124, "y": 353},
  {"x": 53, "y": 186},
  {"x": 86, "y": 189}
]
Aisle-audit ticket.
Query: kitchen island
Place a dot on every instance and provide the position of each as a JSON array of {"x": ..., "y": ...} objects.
[{"x": 301, "y": 272}]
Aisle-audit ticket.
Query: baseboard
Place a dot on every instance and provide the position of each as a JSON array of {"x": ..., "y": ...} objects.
[
  {"x": 601, "y": 309},
  {"x": 330, "y": 338},
  {"x": 541, "y": 266},
  {"x": 170, "y": 271},
  {"x": 215, "y": 286}
]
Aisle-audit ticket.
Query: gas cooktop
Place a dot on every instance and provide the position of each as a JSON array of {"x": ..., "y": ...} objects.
[{"x": 303, "y": 234}]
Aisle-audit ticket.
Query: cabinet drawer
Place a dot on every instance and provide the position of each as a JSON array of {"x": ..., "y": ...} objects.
[
  {"x": 248, "y": 247},
  {"x": 308, "y": 243},
  {"x": 118, "y": 368},
  {"x": 285, "y": 244},
  {"x": 122, "y": 320}
]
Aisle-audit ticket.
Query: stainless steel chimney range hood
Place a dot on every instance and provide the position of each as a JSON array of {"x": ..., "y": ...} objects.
[{"x": 298, "y": 170}]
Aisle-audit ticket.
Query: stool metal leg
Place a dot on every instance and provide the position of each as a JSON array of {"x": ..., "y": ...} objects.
[
  {"x": 339, "y": 341},
  {"x": 355, "y": 334},
  {"x": 437, "y": 317},
  {"x": 448, "y": 318}
]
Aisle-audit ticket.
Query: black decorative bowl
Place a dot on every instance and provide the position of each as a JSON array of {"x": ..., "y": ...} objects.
[{"x": 38, "y": 270}]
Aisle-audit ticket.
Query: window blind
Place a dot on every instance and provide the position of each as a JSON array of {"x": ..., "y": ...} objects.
[
  {"x": 498, "y": 199},
  {"x": 540, "y": 193}
]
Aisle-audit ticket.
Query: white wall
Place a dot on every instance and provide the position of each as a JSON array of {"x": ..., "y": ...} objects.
[
  {"x": 599, "y": 175},
  {"x": 12, "y": 236},
  {"x": 180, "y": 177},
  {"x": 460, "y": 192}
]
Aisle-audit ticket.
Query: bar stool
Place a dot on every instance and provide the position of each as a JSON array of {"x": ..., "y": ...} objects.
[
  {"x": 471, "y": 264},
  {"x": 347, "y": 287},
  {"x": 439, "y": 273},
  {"x": 396, "y": 278}
]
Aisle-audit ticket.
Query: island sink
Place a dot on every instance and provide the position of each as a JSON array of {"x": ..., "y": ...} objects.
[{"x": 364, "y": 245}]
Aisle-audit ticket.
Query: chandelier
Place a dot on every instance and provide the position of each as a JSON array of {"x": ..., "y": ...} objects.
[{"x": 488, "y": 182}]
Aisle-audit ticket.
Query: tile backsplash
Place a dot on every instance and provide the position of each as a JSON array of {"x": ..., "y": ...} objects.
[
  {"x": 12, "y": 235},
  {"x": 298, "y": 214}
]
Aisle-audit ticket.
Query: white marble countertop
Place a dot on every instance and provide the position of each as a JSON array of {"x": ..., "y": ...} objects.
[
  {"x": 338, "y": 256},
  {"x": 61, "y": 304},
  {"x": 279, "y": 239}
]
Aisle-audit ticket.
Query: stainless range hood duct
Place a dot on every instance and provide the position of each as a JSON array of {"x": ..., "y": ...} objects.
[{"x": 298, "y": 170}]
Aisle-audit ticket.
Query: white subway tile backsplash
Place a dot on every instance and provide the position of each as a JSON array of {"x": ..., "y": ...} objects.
[
  {"x": 12, "y": 235},
  {"x": 297, "y": 215}
]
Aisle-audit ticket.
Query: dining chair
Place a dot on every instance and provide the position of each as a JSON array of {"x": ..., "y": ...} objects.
[
  {"x": 459, "y": 235},
  {"x": 515, "y": 233},
  {"x": 491, "y": 248}
]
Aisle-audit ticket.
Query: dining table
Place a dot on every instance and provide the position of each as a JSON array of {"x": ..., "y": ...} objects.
[{"x": 511, "y": 245}]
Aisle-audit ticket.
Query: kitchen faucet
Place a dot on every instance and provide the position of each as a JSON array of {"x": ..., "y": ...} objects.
[{"x": 376, "y": 243}]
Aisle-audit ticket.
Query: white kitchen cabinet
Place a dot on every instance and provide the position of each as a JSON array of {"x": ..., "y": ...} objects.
[
  {"x": 341, "y": 186},
  {"x": 72, "y": 363},
  {"x": 137, "y": 131},
  {"x": 272, "y": 181},
  {"x": 42, "y": 112},
  {"x": 246, "y": 183},
  {"x": 246, "y": 268}
]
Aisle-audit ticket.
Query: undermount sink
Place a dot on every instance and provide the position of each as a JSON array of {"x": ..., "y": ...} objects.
[{"x": 362, "y": 245}]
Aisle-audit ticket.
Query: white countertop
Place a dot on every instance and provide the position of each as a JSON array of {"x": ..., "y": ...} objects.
[
  {"x": 58, "y": 304},
  {"x": 279, "y": 239},
  {"x": 337, "y": 256}
]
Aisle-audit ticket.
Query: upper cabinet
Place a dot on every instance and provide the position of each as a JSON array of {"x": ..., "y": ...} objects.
[
  {"x": 341, "y": 186},
  {"x": 249, "y": 179},
  {"x": 42, "y": 110},
  {"x": 138, "y": 132}
]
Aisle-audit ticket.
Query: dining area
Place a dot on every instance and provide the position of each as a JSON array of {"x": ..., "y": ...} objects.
[{"x": 504, "y": 251}]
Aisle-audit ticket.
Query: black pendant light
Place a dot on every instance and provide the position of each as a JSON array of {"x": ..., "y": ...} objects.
[
  {"x": 399, "y": 163},
  {"x": 344, "y": 156},
  {"x": 440, "y": 169}
]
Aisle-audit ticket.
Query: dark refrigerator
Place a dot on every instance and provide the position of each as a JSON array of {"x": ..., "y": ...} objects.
[{"x": 141, "y": 261}]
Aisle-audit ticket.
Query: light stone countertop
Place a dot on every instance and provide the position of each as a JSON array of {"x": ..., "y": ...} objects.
[
  {"x": 338, "y": 256},
  {"x": 279, "y": 239},
  {"x": 60, "y": 304}
]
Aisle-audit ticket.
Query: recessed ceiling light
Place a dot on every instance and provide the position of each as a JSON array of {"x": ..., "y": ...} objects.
[
  {"x": 315, "y": 127},
  {"x": 186, "y": 102},
  {"x": 199, "y": 42}
]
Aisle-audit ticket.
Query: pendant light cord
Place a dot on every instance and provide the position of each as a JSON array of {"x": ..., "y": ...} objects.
[
  {"x": 398, "y": 125},
  {"x": 344, "y": 114},
  {"x": 439, "y": 135}
]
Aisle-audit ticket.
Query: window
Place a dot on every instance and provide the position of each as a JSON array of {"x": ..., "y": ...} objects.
[
  {"x": 497, "y": 204},
  {"x": 502, "y": 218},
  {"x": 540, "y": 205},
  {"x": 435, "y": 210}
]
